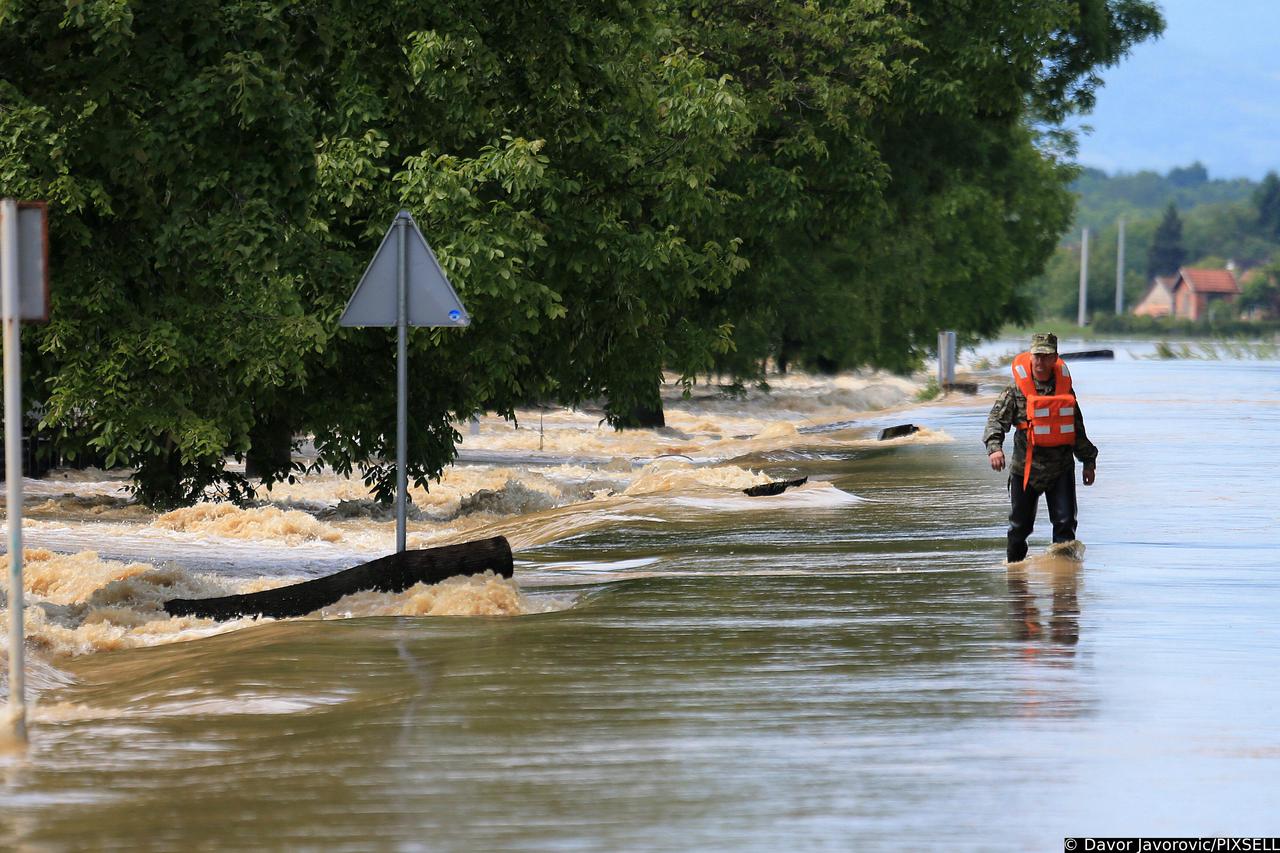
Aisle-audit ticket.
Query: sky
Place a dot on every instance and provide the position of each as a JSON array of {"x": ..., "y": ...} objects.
[{"x": 1207, "y": 90}]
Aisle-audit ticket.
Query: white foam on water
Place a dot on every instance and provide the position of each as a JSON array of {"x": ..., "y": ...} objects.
[
  {"x": 227, "y": 521},
  {"x": 85, "y": 600},
  {"x": 485, "y": 594},
  {"x": 79, "y": 604}
]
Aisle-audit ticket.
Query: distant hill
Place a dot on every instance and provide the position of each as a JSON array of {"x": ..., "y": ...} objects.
[{"x": 1144, "y": 195}]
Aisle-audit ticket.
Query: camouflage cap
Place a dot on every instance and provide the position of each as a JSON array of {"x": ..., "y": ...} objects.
[{"x": 1044, "y": 343}]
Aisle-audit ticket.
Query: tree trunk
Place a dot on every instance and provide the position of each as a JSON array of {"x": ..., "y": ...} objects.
[
  {"x": 639, "y": 409},
  {"x": 270, "y": 450},
  {"x": 642, "y": 417},
  {"x": 159, "y": 479}
]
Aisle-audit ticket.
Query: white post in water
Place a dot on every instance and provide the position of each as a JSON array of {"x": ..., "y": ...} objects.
[
  {"x": 1120, "y": 270},
  {"x": 946, "y": 359},
  {"x": 1084, "y": 277},
  {"x": 13, "y": 458}
]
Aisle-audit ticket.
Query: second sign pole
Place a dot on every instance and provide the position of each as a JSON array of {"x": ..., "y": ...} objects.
[{"x": 402, "y": 383}]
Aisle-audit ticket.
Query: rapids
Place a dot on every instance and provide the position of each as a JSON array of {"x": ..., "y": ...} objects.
[{"x": 569, "y": 475}]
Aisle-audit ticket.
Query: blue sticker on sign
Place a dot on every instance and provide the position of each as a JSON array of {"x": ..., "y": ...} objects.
[{"x": 455, "y": 315}]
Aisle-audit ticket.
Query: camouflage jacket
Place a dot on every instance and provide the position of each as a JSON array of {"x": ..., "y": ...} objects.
[{"x": 1047, "y": 463}]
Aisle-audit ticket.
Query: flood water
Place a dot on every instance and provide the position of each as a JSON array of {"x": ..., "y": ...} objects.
[{"x": 847, "y": 665}]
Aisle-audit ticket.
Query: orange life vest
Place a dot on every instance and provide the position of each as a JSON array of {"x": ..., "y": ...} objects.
[{"x": 1051, "y": 418}]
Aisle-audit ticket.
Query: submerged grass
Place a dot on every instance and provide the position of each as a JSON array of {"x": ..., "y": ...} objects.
[
  {"x": 1103, "y": 327},
  {"x": 1215, "y": 350},
  {"x": 994, "y": 362},
  {"x": 930, "y": 391}
]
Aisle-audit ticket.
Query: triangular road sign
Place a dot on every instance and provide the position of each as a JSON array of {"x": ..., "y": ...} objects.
[{"x": 431, "y": 299}]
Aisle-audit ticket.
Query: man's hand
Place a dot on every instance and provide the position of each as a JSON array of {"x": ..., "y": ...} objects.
[
  {"x": 1089, "y": 474},
  {"x": 997, "y": 461}
]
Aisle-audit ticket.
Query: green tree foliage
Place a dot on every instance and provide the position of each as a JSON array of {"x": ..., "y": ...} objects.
[
  {"x": 220, "y": 176},
  {"x": 1195, "y": 175},
  {"x": 175, "y": 147},
  {"x": 1267, "y": 201},
  {"x": 962, "y": 203},
  {"x": 1261, "y": 290},
  {"x": 1104, "y": 198},
  {"x": 614, "y": 189},
  {"x": 817, "y": 80},
  {"x": 562, "y": 159},
  {"x": 1167, "y": 253},
  {"x": 1057, "y": 291}
]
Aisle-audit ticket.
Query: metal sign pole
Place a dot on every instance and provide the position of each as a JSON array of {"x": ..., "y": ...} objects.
[
  {"x": 946, "y": 360},
  {"x": 403, "y": 286},
  {"x": 13, "y": 457},
  {"x": 402, "y": 380}
]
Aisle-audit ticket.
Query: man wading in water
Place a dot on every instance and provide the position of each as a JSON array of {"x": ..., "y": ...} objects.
[{"x": 1044, "y": 446}]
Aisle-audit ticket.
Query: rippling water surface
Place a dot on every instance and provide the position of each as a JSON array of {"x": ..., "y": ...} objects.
[{"x": 844, "y": 666}]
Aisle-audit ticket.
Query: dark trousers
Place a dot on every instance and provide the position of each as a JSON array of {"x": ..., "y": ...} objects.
[{"x": 1061, "y": 498}]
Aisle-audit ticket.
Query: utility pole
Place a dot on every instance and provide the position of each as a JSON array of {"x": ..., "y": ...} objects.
[
  {"x": 1084, "y": 278},
  {"x": 1120, "y": 271}
]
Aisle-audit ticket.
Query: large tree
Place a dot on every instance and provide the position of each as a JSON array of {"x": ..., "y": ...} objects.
[
  {"x": 220, "y": 174},
  {"x": 1267, "y": 200},
  {"x": 175, "y": 145},
  {"x": 562, "y": 159},
  {"x": 964, "y": 196},
  {"x": 614, "y": 188},
  {"x": 1167, "y": 252}
]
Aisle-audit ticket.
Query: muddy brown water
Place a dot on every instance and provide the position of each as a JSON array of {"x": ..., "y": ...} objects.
[{"x": 844, "y": 666}]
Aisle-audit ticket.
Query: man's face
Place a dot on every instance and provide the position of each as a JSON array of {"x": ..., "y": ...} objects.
[{"x": 1042, "y": 365}]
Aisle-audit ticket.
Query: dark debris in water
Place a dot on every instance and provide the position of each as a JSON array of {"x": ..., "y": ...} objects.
[
  {"x": 775, "y": 488},
  {"x": 366, "y": 508},
  {"x": 514, "y": 498},
  {"x": 898, "y": 431}
]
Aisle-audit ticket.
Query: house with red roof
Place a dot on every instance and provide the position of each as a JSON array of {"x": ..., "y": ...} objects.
[{"x": 1194, "y": 290}]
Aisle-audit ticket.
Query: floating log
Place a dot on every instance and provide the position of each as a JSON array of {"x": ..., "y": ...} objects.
[
  {"x": 775, "y": 488},
  {"x": 898, "y": 431},
  {"x": 392, "y": 573},
  {"x": 1089, "y": 353}
]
